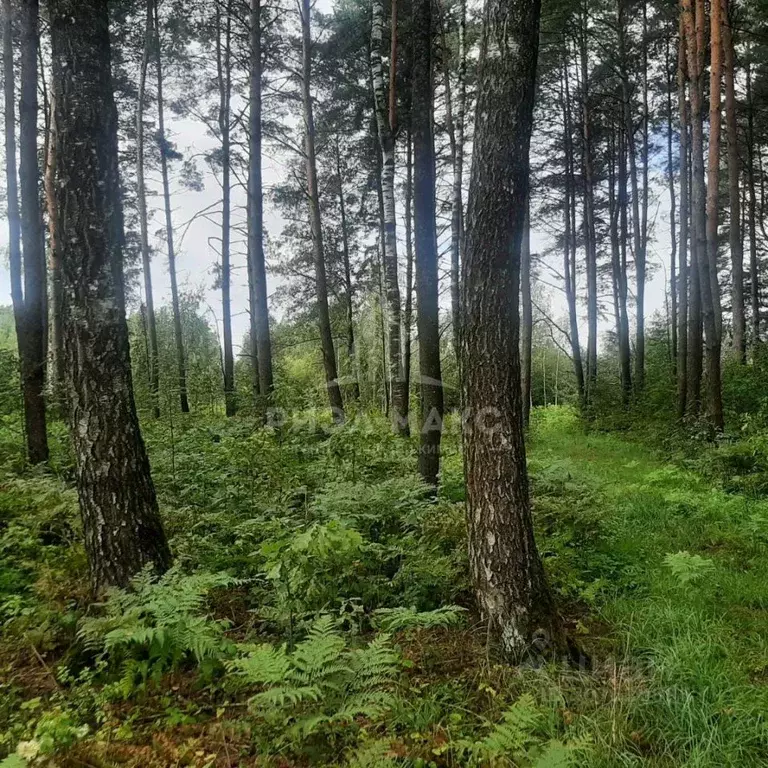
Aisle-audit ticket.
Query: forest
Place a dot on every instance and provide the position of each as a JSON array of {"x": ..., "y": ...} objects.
[{"x": 384, "y": 383}]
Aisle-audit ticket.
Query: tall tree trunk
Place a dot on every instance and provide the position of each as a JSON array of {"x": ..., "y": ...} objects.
[
  {"x": 348, "y": 288},
  {"x": 384, "y": 122},
  {"x": 754, "y": 274},
  {"x": 508, "y": 575},
  {"x": 33, "y": 361},
  {"x": 711, "y": 300},
  {"x": 261, "y": 345},
  {"x": 121, "y": 524},
  {"x": 181, "y": 365},
  {"x": 408, "y": 309},
  {"x": 569, "y": 236},
  {"x": 590, "y": 237},
  {"x": 427, "y": 281},
  {"x": 694, "y": 24},
  {"x": 672, "y": 213},
  {"x": 526, "y": 337},
  {"x": 682, "y": 333},
  {"x": 54, "y": 262},
  {"x": 321, "y": 284},
  {"x": 734, "y": 199},
  {"x": 455, "y": 124},
  {"x": 153, "y": 357},
  {"x": 641, "y": 256},
  {"x": 224, "y": 72}
]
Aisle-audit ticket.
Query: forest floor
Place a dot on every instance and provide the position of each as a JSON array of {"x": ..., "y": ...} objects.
[{"x": 662, "y": 578}]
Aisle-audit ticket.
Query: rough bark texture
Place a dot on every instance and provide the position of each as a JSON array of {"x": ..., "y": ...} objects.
[
  {"x": 153, "y": 358},
  {"x": 261, "y": 345},
  {"x": 508, "y": 576},
  {"x": 313, "y": 195},
  {"x": 526, "y": 303},
  {"x": 672, "y": 212},
  {"x": 621, "y": 277},
  {"x": 408, "y": 308},
  {"x": 181, "y": 365},
  {"x": 682, "y": 332},
  {"x": 427, "y": 308},
  {"x": 384, "y": 120},
  {"x": 121, "y": 524},
  {"x": 35, "y": 308},
  {"x": 224, "y": 71},
  {"x": 734, "y": 198}
]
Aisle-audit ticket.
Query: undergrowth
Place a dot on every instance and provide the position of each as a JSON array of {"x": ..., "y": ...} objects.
[{"x": 319, "y": 612}]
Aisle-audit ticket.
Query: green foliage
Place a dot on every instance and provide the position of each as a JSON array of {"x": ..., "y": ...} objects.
[
  {"x": 320, "y": 687},
  {"x": 157, "y": 625},
  {"x": 688, "y": 568}
]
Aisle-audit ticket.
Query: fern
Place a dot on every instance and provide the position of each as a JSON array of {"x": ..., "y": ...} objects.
[
  {"x": 157, "y": 625},
  {"x": 687, "y": 567},
  {"x": 398, "y": 619},
  {"x": 321, "y": 685}
]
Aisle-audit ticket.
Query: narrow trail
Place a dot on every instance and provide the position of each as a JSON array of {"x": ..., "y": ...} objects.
[{"x": 675, "y": 574}]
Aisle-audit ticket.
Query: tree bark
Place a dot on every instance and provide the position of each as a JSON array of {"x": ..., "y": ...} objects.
[
  {"x": 408, "y": 309},
  {"x": 734, "y": 198},
  {"x": 672, "y": 214},
  {"x": 224, "y": 72},
  {"x": 507, "y": 572},
  {"x": 321, "y": 284},
  {"x": 32, "y": 349},
  {"x": 754, "y": 273},
  {"x": 181, "y": 365},
  {"x": 261, "y": 345},
  {"x": 153, "y": 357},
  {"x": 526, "y": 337},
  {"x": 682, "y": 333},
  {"x": 427, "y": 280},
  {"x": 384, "y": 121},
  {"x": 121, "y": 523}
]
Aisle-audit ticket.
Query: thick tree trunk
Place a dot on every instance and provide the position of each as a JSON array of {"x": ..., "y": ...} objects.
[
  {"x": 348, "y": 288},
  {"x": 427, "y": 281},
  {"x": 121, "y": 524},
  {"x": 224, "y": 71},
  {"x": 181, "y": 365},
  {"x": 153, "y": 357},
  {"x": 384, "y": 121},
  {"x": 508, "y": 575},
  {"x": 526, "y": 337},
  {"x": 321, "y": 284},
  {"x": 33, "y": 348},
  {"x": 682, "y": 332},
  {"x": 734, "y": 198},
  {"x": 569, "y": 236},
  {"x": 261, "y": 345}
]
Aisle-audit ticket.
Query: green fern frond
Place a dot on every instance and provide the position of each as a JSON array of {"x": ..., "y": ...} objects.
[{"x": 398, "y": 619}]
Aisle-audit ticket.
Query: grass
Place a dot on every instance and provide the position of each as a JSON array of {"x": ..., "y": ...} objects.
[{"x": 661, "y": 576}]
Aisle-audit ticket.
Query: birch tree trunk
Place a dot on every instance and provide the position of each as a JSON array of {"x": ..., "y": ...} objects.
[
  {"x": 321, "y": 284},
  {"x": 507, "y": 572},
  {"x": 384, "y": 122},
  {"x": 121, "y": 524}
]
